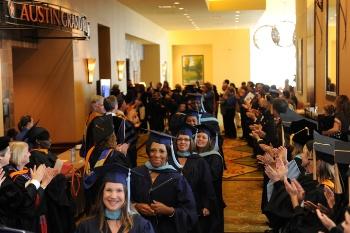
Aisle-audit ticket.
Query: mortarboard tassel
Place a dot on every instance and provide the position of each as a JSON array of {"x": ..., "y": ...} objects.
[
  {"x": 129, "y": 190},
  {"x": 292, "y": 135},
  {"x": 173, "y": 155}
]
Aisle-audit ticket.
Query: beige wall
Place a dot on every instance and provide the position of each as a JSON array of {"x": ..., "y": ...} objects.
[
  {"x": 181, "y": 50},
  {"x": 150, "y": 64},
  {"x": 230, "y": 51}
]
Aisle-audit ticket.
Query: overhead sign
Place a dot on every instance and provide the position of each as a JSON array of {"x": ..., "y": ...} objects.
[{"x": 45, "y": 15}]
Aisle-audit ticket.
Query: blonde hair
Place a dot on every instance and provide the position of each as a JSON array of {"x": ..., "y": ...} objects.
[
  {"x": 18, "y": 150},
  {"x": 96, "y": 98}
]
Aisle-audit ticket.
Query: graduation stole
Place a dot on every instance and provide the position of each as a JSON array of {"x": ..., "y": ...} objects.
[
  {"x": 101, "y": 160},
  {"x": 24, "y": 173}
]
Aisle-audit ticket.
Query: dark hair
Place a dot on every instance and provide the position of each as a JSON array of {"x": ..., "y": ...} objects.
[
  {"x": 24, "y": 121},
  {"x": 149, "y": 144},
  {"x": 110, "y": 102},
  {"x": 11, "y": 133},
  {"x": 120, "y": 99},
  {"x": 280, "y": 105},
  {"x": 115, "y": 90},
  {"x": 286, "y": 94},
  {"x": 226, "y": 81}
]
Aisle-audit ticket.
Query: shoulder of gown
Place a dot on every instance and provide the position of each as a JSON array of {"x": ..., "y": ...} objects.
[{"x": 141, "y": 225}]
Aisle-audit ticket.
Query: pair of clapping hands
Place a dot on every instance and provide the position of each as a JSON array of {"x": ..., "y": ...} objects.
[
  {"x": 269, "y": 158},
  {"x": 43, "y": 174}
]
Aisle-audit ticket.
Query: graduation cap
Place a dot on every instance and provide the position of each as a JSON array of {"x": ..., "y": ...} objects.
[
  {"x": 289, "y": 116},
  {"x": 4, "y": 142},
  {"x": 194, "y": 96},
  {"x": 301, "y": 131},
  {"x": 210, "y": 131},
  {"x": 102, "y": 127},
  {"x": 324, "y": 149},
  {"x": 37, "y": 133},
  {"x": 116, "y": 173},
  {"x": 166, "y": 139},
  {"x": 188, "y": 130}
]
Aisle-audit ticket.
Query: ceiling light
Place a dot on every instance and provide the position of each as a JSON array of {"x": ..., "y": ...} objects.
[
  {"x": 165, "y": 7},
  {"x": 236, "y": 18},
  {"x": 237, "y": 12},
  {"x": 181, "y": 8},
  {"x": 176, "y": 3},
  {"x": 185, "y": 14},
  {"x": 237, "y": 15},
  {"x": 237, "y": 21}
]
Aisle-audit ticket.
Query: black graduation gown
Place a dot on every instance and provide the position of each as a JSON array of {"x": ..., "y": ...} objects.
[
  {"x": 197, "y": 172},
  {"x": 17, "y": 202},
  {"x": 91, "y": 225},
  {"x": 216, "y": 166},
  {"x": 38, "y": 157},
  {"x": 280, "y": 211},
  {"x": 171, "y": 189}
]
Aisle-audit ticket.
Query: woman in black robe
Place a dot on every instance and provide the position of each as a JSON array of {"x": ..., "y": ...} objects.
[
  {"x": 162, "y": 195},
  {"x": 204, "y": 148},
  {"x": 104, "y": 152},
  {"x": 111, "y": 211},
  {"x": 197, "y": 172}
]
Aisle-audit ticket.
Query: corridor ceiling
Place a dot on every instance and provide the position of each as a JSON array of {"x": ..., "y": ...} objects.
[{"x": 176, "y": 15}]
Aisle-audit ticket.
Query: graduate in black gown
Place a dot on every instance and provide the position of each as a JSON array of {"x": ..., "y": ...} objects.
[
  {"x": 39, "y": 139},
  {"x": 34, "y": 213},
  {"x": 197, "y": 172},
  {"x": 163, "y": 195},
  {"x": 112, "y": 208},
  {"x": 104, "y": 152},
  {"x": 205, "y": 144}
]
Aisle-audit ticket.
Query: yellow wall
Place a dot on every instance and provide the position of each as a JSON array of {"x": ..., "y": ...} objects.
[
  {"x": 230, "y": 53},
  {"x": 150, "y": 64},
  {"x": 181, "y": 50}
]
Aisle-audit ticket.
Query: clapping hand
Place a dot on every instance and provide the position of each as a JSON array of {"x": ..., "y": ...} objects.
[
  {"x": 282, "y": 152},
  {"x": 346, "y": 223},
  {"x": 294, "y": 189},
  {"x": 328, "y": 193},
  {"x": 277, "y": 173},
  {"x": 326, "y": 221},
  {"x": 38, "y": 173},
  {"x": 266, "y": 159},
  {"x": 49, "y": 174}
]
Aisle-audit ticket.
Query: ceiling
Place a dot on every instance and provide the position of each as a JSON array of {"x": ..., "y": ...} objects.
[{"x": 174, "y": 15}]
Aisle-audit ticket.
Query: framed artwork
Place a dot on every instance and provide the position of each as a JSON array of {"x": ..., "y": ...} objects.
[
  {"x": 299, "y": 76},
  {"x": 192, "y": 69}
]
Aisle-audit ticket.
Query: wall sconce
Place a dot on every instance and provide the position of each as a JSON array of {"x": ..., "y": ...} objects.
[
  {"x": 91, "y": 62},
  {"x": 164, "y": 70},
  {"x": 120, "y": 69},
  {"x": 319, "y": 3}
]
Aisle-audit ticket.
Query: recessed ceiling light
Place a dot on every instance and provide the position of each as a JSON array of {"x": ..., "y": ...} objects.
[
  {"x": 237, "y": 15},
  {"x": 237, "y": 12},
  {"x": 237, "y": 21},
  {"x": 181, "y": 8},
  {"x": 185, "y": 14},
  {"x": 176, "y": 3},
  {"x": 165, "y": 7},
  {"x": 236, "y": 18}
]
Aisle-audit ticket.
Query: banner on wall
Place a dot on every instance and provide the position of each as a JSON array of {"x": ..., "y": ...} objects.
[{"x": 36, "y": 14}]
